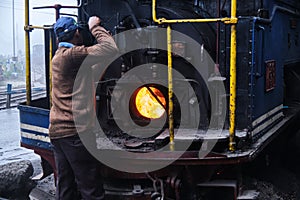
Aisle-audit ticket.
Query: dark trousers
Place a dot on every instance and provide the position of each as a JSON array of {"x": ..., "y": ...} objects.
[{"x": 77, "y": 171}]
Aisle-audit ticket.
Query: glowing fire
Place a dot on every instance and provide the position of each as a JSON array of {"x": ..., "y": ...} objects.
[{"x": 147, "y": 104}]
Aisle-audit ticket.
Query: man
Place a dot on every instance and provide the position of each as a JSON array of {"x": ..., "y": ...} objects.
[{"x": 77, "y": 170}]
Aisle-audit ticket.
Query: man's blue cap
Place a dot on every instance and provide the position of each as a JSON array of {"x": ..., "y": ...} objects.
[{"x": 64, "y": 25}]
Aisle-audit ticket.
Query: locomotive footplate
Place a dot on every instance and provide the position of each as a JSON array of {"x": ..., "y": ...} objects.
[
  {"x": 217, "y": 172},
  {"x": 151, "y": 151}
]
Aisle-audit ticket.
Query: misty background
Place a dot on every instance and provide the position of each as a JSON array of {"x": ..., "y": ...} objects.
[{"x": 12, "y": 42}]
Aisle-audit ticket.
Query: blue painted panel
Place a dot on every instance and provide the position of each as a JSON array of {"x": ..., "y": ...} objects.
[
  {"x": 34, "y": 132},
  {"x": 36, "y": 143},
  {"x": 34, "y": 116},
  {"x": 38, "y": 117},
  {"x": 272, "y": 43}
]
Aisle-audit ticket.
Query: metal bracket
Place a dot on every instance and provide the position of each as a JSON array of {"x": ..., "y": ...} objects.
[
  {"x": 232, "y": 20},
  {"x": 28, "y": 28}
]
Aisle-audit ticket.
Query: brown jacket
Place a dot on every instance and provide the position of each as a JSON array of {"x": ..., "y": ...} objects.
[{"x": 72, "y": 108}]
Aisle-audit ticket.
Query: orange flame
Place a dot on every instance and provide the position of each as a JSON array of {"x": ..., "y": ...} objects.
[{"x": 147, "y": 105}]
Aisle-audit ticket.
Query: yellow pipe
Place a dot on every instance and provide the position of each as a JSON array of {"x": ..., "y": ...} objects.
[
  {"x": 154, "y": 11},
  {"x": 31, "y": 27},
  {"x": 170, "y": 86},
  {"x": 50, "y": 68},
  {"x": 170, "y": 21},
  {"x": 232, "y": 98},
  {"x": 226, "y": 20},
  {"x": 27, "y": 49},
  {"x": 170, "y": 78}
]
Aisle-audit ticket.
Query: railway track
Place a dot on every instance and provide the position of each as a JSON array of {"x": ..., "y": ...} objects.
[{"x": 18, "y": 98}]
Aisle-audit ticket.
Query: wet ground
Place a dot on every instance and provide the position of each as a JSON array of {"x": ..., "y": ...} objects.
[{"x": 10, "y": 149}]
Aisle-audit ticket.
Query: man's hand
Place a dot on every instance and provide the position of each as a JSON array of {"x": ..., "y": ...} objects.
[{"x": 94, "y": 21}]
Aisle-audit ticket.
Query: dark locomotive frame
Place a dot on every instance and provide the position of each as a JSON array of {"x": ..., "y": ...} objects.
[{"x": 267, "y": 63}]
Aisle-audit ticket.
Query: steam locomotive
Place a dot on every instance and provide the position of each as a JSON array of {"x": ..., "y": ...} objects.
[{"x": 182, "y": 107}]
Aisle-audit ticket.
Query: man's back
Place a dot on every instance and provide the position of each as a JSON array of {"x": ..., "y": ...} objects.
[{"x": 66, "y": 64}]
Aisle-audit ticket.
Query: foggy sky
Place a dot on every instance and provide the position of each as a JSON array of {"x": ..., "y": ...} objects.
[{"x": 37, "y": 17}]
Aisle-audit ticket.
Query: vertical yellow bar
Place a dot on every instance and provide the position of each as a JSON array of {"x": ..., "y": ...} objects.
[
  {"x": 232, "y": 98},
  {"x": 154, "y": 11},
  {"x": 170, "y": 86},
  {"x": 50, "y": 68},
  {"x": 27, "y": 49}
]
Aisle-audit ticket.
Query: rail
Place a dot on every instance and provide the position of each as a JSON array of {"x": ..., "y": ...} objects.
[{"x": 11, "y": 97}]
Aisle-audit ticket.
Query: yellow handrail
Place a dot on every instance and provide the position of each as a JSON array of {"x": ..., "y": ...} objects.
[
  {"x": 170, "y": 87},
  {"x": 232, "y": 100},
  {"x": 226, "y": 20},
  {"x": 31, "y": 27},
  {"x": 27, "y": 49},
  {"x": 50, "y": 69}
]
